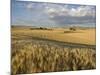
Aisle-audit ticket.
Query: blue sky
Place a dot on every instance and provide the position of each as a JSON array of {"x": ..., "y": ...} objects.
[{"x": 51, "y": 15}]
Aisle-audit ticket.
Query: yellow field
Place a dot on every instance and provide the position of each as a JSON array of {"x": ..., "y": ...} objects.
[
  {"x": 35, "y": 51},
  {"x": 80, "y": 36}
]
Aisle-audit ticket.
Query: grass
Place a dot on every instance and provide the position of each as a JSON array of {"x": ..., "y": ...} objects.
[{"x": 31, "y": 55}]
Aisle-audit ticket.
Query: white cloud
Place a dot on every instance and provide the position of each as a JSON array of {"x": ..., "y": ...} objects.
[
  {"x": 84, "y": 11},
  {"x": 52, "y": 10},
  {"x": 56, "y": 10},
  {"x": 75, "y": 12},
  {"x": 29, "y": 6},
  {"x": 71, "y": 14}
]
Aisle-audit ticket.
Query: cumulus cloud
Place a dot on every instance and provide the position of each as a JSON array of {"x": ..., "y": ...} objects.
[
  {"x": 64, "y": 14},
  {"x": 30, "y": 5},
  {"x": 66, "y": 11},
  {"x": 71, "y": 15},
  {"x": 82, "y": 11},
  {"x": 55, "y": 14}
]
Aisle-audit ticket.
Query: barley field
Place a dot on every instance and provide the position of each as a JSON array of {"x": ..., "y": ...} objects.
[{"x": 35, "y": 51}]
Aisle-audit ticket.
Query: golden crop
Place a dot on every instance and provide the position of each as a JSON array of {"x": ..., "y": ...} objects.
[
  {"x": 38, "y": 56},
  {"x": 33, "y": 55}
]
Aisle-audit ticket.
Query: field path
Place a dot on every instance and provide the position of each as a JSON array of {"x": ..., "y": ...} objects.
[{"x": 28, "y": 38}]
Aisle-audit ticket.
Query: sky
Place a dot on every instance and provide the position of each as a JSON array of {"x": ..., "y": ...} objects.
[{"x": 52, "y": 14}]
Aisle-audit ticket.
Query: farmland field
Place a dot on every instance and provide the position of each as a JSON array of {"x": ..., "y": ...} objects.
[{"x": 36, "y": 50}]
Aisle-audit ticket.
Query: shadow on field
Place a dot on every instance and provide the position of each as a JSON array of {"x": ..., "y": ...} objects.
[{"x": 64, "y": 44}]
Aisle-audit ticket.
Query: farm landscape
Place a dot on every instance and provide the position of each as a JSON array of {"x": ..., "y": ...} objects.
[
  {"x": 44, "y": 51},
  {"x": 36, "y": 49}
]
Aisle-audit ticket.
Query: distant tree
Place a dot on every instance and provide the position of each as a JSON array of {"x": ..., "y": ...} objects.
[
  {"x": 41, "y": 28},
  {"x": 72, "y": 29},
  {"x": 12, "y": 26}
]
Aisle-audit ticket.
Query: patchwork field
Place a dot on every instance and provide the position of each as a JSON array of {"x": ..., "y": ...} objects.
[{"x": 37, "y": 50}]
